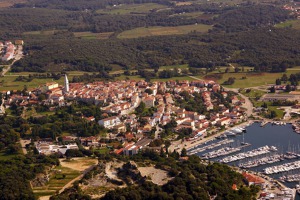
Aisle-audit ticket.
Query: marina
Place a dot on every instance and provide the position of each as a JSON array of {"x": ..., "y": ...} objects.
[
  {"x": 214, "y": 145},
  {"x": 274, "y": 151},
  {"x": 282, "y": 168},
  {"x": 290, "y": 178},
  {"x": 262, "y": 161},
  {"x": 249, "y": 154}
]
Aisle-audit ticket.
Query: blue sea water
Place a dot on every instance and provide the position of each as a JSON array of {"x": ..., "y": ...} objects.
[{"x": 283, "y": 137}]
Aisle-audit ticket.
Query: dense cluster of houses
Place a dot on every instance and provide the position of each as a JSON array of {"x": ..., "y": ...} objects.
[
  {"x": 7, "y": 49},
  {"x": 121, "y": 98},
  {"x": 294, "y": 7}
]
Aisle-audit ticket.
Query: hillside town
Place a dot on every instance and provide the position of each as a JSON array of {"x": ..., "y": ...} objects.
[{"x": 120, "y": 100}]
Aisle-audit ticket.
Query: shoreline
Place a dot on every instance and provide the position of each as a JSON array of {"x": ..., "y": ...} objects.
[{"x": 178, "y": 145}]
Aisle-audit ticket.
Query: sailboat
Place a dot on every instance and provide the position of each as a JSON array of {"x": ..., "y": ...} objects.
[{"x": 243, "y": 143}]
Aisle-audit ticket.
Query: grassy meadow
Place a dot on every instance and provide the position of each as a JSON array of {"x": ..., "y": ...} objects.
[
  {"x": 289, "y": 23},
  {"x": 124, "y": 9},
  {"x": 158, "y": 30}
]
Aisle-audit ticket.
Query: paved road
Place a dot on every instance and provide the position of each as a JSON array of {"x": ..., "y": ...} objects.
[{"x": 248, "y": 105}]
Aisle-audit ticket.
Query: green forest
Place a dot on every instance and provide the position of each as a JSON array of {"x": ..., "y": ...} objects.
[
  {"x": 193, "y": 179},
  {"x": 243, "y": 34}
]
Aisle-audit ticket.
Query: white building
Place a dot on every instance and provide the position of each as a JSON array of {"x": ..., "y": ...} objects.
[
  {"x": 110, "y": 122},
  {"x": 67, "y": 87}
]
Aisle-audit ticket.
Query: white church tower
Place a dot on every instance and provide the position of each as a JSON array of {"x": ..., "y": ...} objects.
[{"x": 66, "y": 84}]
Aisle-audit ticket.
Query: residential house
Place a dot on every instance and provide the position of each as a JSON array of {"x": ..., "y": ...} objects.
[{"x": 110, "y": 122}]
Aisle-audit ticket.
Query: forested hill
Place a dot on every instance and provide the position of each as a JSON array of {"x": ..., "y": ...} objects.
[
  {"x": 191, "y": 179},
  {"x": 53, "y": 42},
  {"x": 265, "y": 49}
]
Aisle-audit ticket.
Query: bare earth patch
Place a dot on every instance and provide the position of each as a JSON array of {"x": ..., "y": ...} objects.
[
  {"x": 111, "y": 169},
  {"x": 79, "y": 164},
  {"x": 158, "y": 176}
]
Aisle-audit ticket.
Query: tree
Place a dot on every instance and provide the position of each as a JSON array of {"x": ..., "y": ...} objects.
[
  {"x": 149, "y": 91},
  {"x": 141, "y": 108},
  {"x": 183, "y": 152},
  {"x": 288, "y": 88},
  {"x": 236, "y": 69},
  {"x": 273, "y": 114},
  {"x": 13, "y": 148},
  {"x": 41, "y": 97},
  {"x": 284, "y": 78}
]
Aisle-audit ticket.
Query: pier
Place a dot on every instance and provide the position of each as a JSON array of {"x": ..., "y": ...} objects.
[
  {"x": 256, "y": 152},
  {"x": 214, "y": 145},
  {"x": 262, "y": 161},
  {"x": 282, "y": 168}
]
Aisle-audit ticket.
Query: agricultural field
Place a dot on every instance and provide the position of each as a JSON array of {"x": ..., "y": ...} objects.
[
  {"x": 45, "y": 32},
  {"x": 9, "y": 3},
  {"x": 124, "y": 9},
  {"x": 290, "y": 23},
  {"x": 185, "y": 66},
  {"x": 9, "y": 83},
  {"x": 90, "y": 35},
  {"x": 192, "y": 15},
  {"x": 245, "y": 80},
  {"x": 158, "y": 30}
]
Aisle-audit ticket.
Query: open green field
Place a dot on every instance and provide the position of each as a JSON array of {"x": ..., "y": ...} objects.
[
  {"x": 158, "y": 30},
  {"x": 289, "y": 23},
  {"x": 83, "y": 35},
  {"x": 4, "y": 156},
  {"x": 251, "y": 79},
  {"x": 131, "y": 8},
  {"x": 90, "y": 35},
  {"x": 192, "y": 15},
  {"x": 8, "y": 83},
  {"x": 254, "y": 96},
  {"x": 185, "y": 66},
  {"x": 48, "y": 32}
]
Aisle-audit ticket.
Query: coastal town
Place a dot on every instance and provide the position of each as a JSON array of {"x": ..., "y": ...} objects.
[
  {"x": 120, "y": 99},
  {"x": 122, "y": 104}
]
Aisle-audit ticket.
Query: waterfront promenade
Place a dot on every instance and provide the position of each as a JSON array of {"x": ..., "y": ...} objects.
[{"x": 178, "y": 145}]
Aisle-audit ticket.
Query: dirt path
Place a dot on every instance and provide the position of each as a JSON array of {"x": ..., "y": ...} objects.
[{"x": 23, "y": 144}]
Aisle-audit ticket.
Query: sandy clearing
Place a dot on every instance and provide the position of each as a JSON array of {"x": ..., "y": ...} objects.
[
  {"x": 158, "y": 176},
  {"x": 79, "y": 164}
]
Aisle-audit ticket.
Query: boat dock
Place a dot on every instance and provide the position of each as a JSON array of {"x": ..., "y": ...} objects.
[
  {"x": 256, "y": 152},
  {"x": 221, "y": 152},
  {"x": 262, "y": 161},
  {"x": 214, "y": 145},
  {"x": 282, "y": 168},
  {"x": 290, "y": 178},
  {"x": 224, "y": 151}
]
